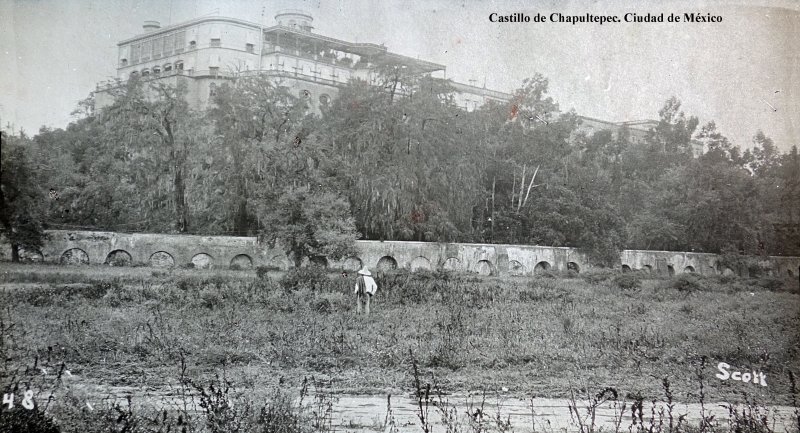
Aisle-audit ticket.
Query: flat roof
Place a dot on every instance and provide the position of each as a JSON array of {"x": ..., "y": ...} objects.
[
  {"x": 188, "y": 23},
  {"x": 359, "y": 48}
]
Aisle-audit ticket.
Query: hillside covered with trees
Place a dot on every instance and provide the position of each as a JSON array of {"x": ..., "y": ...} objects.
[{"x": 397, "y": 161}]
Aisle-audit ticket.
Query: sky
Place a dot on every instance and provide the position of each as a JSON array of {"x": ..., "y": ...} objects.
[{"x": 742, "y": 73}]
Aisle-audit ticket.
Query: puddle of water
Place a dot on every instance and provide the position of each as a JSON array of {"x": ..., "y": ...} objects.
[{"x": 359, "y": 413}]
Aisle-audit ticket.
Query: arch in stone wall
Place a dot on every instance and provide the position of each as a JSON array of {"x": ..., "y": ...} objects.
[
  {"x": 242, "y": 261},
  {"x": 540, "y": 267},
  {"x": 452, "y": 264},
  {"x": 118, "y": 258},
  {"x": 647, "y": 268},
  {"x": 516, "y": 268},
  {"x": 688, "y": 270},
  {"x": 30, "y": 255},
  {"x": 728, "y": 272},
  {"x": 161, "y": 259},
  {"x": 74, "y": 256},
  {"x": 485, "y": 268},
  {"x": 387, "y": 263},
  {"x": 420, "y": 263},
  {"x": 626, "y": 269},
  {"x": 352, "y": 264},
  {"x": 572, "y": 266},
  {"x": 670, "y": 270},
  {"x": 202, "y": 261}
]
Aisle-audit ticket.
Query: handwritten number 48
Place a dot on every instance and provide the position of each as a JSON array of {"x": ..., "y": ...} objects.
[{"x": 27, "y": 400}]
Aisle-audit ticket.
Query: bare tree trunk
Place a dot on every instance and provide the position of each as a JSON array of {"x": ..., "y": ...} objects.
[
  {"x": 530, "y": 185},
  {"x": 241, "y": 220},
  {"x": 177, "y": 158},
  {"x": 521, "y": 187},
  {"x": 514, "y": 188},
  {"x": 494, "y": 183},
  {"x": 5, "y": 219},
  {"x": 394, "y": 88},
  {"x": 180, "y": 200}
]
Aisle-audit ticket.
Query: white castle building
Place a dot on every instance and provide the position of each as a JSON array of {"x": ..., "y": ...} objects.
[{"x": 205, "y": 52}]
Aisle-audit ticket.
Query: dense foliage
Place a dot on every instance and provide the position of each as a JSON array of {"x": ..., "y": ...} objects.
[{"x": 402, "y": 161}]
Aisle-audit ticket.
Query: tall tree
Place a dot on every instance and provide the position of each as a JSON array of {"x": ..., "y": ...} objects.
[
  {"x": 252, "y": 116},
  {"x": 155, "y": 119},
  {"x": 406, "y": 160},
  {"x": 21, "y": 208},
  {"x": 310, "y": 223}
]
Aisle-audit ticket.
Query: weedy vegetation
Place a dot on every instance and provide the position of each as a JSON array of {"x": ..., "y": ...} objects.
[{"x": 235, "y": 350}]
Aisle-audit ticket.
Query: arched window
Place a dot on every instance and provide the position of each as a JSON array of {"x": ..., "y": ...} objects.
[
  {"x": 212, "y": 90},
  {"x": 167, "y": 67},
  {"x": 179, "y": 65},
  {"x": 192, "y": 45},
  {"x": 156, "y": 70},
  {"x": 145, "y": 72},
  {"x": 324, "y": 100}
]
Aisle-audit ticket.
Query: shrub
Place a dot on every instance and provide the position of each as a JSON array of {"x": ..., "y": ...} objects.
[
  {"x": 598, "y": 276},
  {"x": 210, "y": 298},
  {"x": 217, "y": 281},
  {"x": 25, "y": 421},
  {"x": 99, "y": 289},
  {"x": 311, "y": 277},
  {"x": 770, "y": 283},
  {"x": 279, "y": 415},
  {"x": 118, "y": 296},
  {"x": 337, "y": 302},
  {"x": 436, "y": 275},
  {"x": 322, "y": 305},
  {"x": 757, "y": 268},
  {"x": 627, "y": 281},
  {"x": 545, "y": 290},
  {"x": 686, "y": 283},
  {"x": 217, "y": 406},
  {"x": 186, "y": 284},
  {"x": 422, "y": 286},
  {"x": 262, "y": 272}
]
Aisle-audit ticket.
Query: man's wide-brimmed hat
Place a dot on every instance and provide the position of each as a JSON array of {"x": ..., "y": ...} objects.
[{"x": 364, "y": 271}]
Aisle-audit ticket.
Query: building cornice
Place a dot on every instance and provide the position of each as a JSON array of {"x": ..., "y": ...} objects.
[{"x": 173, "y": 27}]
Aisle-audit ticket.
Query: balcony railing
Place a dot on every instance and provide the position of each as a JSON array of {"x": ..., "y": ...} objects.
[
  {"x": 269, "y": 49},
  {"x": 289, "y": 74}
]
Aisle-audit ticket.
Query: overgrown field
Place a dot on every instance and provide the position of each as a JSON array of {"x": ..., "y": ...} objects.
[{"x": 542, "y": 336}]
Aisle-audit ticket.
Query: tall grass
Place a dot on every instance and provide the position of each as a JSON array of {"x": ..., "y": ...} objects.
[{"x": 131, "y": 328}]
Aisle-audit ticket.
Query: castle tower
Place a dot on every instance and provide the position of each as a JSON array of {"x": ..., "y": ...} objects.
[{"x": 295, "y": 19}]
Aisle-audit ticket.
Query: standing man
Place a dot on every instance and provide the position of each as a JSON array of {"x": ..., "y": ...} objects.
[{"x": 365, "y": 288}]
